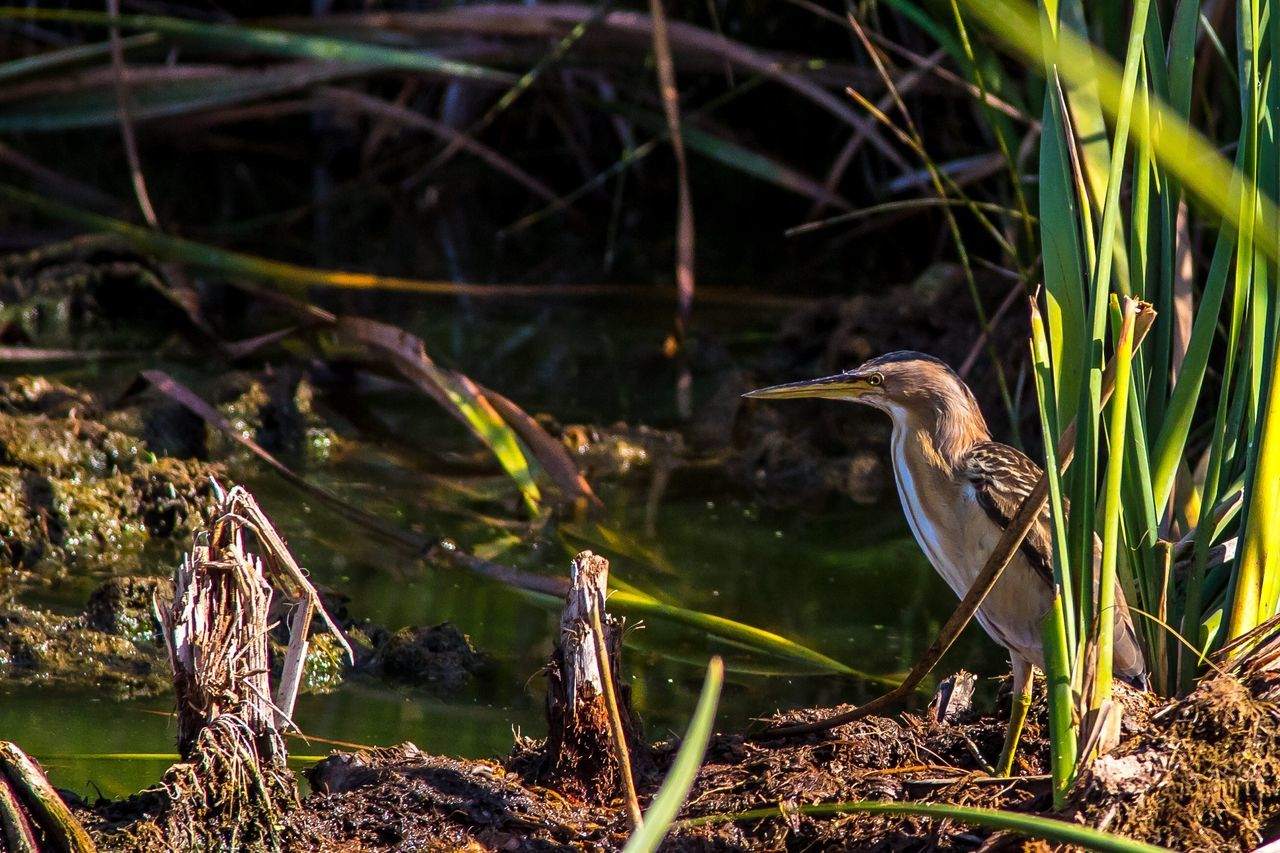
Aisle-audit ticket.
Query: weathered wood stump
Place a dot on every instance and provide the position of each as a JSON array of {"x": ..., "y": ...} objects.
[
  {"x": 233, "y": 783},
  {"x": 953, "y": 699},
  {"x": 582, "y": 758}
]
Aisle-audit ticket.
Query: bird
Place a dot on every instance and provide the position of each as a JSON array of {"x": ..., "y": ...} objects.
[{"x": 959, "y": 490}]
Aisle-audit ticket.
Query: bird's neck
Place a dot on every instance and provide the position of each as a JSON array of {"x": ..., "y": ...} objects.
[{"x": 939, "y": 435}]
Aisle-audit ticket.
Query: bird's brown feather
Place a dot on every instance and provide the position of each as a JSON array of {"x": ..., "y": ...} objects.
[{"x": 1002, "y": 477}]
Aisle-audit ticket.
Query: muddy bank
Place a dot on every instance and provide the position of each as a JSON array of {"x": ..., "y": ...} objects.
[
  {"x": 79, "y": 497},
  {"x": 115, "y": 645},
  {"x": 91, "y": 490},
  {"x": 399, "y": 798},
  {"x": 112, "y": 646},
  {"x": 1196, "y": 773}
]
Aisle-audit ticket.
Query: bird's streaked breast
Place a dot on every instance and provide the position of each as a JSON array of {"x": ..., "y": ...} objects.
[
  {"x": 924, "y": 524},
  {"x": 957, "y": 536}
]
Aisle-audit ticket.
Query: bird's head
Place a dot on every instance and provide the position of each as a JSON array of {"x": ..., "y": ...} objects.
[{"x": 909, "y": 386}]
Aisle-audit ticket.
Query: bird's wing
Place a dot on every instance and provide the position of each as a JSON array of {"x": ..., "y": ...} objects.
[{"x": 1001, "y": 478}]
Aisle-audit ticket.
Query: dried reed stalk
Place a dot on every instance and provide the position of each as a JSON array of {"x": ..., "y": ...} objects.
[{"x": 32, "y": 815}]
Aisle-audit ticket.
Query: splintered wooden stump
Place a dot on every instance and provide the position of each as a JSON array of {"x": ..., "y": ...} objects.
[
  {"x": 233, "y": 782},
  {"x": 582, "y": 757},
  {"x": 221, "y": 664}
]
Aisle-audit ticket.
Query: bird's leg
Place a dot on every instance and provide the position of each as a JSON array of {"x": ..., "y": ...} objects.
[{"x": 1022, "y": 681}]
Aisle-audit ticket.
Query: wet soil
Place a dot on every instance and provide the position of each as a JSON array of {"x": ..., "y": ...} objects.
[
  {"x": 400, "y": 798},
  {"x": 81, "y": 498}
]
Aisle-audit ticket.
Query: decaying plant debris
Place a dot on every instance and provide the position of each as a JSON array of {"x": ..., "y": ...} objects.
[
  {"x": 385, "y": 798},
  {"x": 32, "y": 815}
]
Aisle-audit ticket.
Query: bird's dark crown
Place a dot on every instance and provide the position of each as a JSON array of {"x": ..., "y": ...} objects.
[{"x": 904, "y": 355}]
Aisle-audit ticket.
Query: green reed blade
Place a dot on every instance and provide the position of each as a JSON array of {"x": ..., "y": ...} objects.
[
  {"x": 1179, "y": 148},
  {"x": 51, "y": 59},
  {"x": 268, "y": 42},
  {"x": 1063, "y": 267},
  {"x": 100, "y": 107},
  {"x": 1171, "y": 440},
  {"x": 662, "y": 812},
  {"x": 1057, "y": 632},
  {"x": 1116, "y": 452},
  {"x": 1033, "y": 826},
  {"x": 750, "y": 637}
]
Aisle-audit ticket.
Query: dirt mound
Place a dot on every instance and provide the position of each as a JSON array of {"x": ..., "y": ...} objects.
[{"x": 387, "y": 797}]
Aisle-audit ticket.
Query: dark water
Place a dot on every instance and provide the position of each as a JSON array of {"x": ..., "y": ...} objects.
[{"x": 846, "y": 581}]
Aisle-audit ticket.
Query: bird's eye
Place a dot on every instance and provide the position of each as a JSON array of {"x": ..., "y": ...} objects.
[{"x": 875, "y": 379}]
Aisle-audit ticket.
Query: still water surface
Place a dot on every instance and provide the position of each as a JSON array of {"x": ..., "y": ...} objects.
[{"x": 847, "y": 581}]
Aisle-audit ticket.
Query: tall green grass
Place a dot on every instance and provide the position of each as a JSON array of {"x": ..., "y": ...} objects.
[{"x": 1187, "y": 455}]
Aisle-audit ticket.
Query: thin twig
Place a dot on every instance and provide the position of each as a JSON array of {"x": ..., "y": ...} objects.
[
  {"x": 983, "y": 336},
  {"x": 615, "y": 719},
  {"x": 522, "y": 85},
  {"x": 952, "y": 225},
  {"x": 684, "y": 204},
  {"x": 405, "y": 117},
  {"x": 906, "y": 83}
]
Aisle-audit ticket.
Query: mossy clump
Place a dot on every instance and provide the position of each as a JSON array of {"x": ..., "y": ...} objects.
[
  {"x": 438, "y": 658},
  {"x": 616, "y": 450},
  {"x": 77, "y": 496},
  {"x": 125, "y": 607},
  {"x": 275, "y": 410},
  {"x": 38, "y": 647},
  {"x": 89, "y": 292},
  {"x": 39, "y": 395}
]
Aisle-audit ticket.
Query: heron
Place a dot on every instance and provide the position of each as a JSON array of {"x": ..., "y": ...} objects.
[{"x": 959, "y": 491}]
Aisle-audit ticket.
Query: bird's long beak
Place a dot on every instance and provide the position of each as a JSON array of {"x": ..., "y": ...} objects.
[{"x": 842, "y": 386}]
